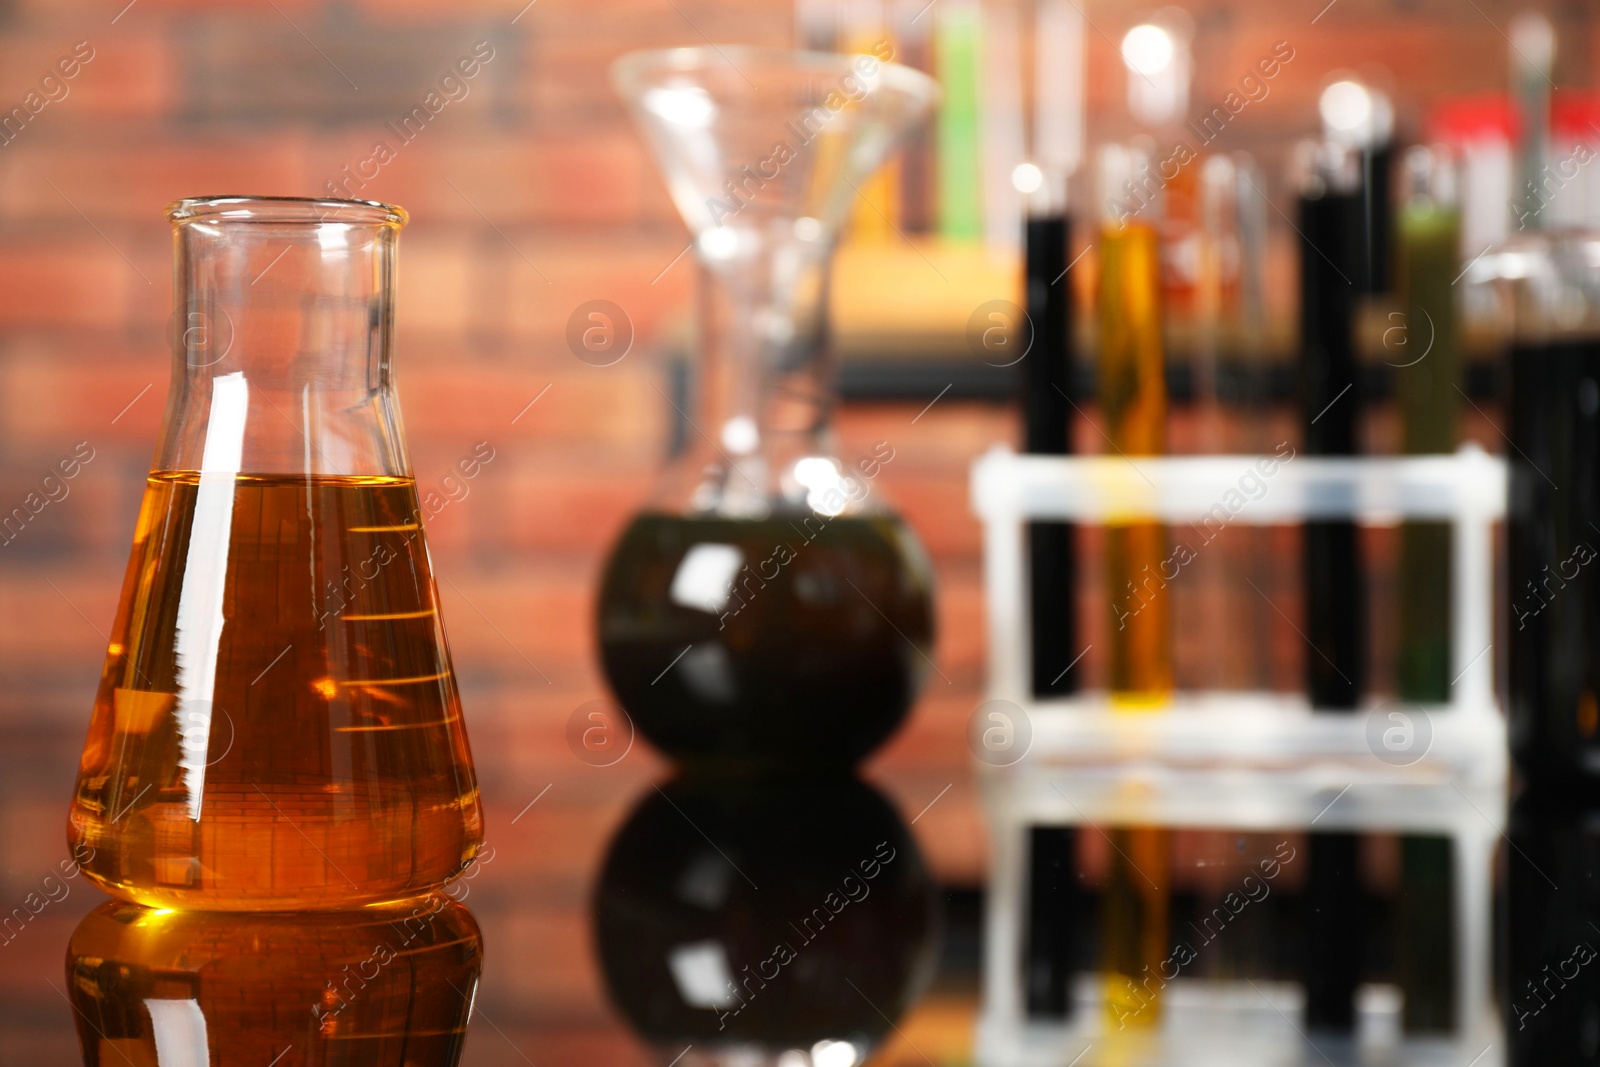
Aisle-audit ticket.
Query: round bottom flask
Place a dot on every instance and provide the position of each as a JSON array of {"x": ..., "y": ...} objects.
[{"x": 767, "y": 607}]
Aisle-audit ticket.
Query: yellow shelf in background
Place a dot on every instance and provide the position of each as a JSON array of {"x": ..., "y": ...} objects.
[{"x": 912, "y": 298}]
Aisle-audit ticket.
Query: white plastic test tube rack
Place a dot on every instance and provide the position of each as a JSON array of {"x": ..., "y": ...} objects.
[{"x": 1250, "y": 761}]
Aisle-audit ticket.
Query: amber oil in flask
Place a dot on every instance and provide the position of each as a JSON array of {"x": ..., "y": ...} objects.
[
  {"x": 377, "y": 987},
  {"x": 277, "y": 725}
]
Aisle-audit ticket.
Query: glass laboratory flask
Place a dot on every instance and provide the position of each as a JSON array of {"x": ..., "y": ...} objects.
[
  {"x": 767, "y": 605},
  {"x": 1549, "y": 285},
  {"x": 387, "y": 986},
  {"x": 277, "y": 725}
]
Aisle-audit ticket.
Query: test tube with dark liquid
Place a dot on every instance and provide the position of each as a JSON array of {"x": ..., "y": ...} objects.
[
  {"x": 1427, "y": 370},
  {"x": 1553, "y": 529},
  {"x": 1333, "y": 252}
]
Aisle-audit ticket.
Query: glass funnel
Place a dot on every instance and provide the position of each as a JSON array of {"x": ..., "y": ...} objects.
[
  {"x": 767, "y": 605},
  {"x": 378, "y": 987},
  {"x": 277, "y": 724}
]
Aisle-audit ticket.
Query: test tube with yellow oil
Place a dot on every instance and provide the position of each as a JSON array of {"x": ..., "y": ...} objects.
[{"x": 1133, "y": 408}]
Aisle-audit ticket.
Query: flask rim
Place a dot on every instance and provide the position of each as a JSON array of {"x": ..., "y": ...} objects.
[
  {"x": 280, "y": 209},
  {"x": 632, "y": 72}
]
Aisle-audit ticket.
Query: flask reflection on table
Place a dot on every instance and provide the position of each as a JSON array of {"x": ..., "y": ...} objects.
[
  {"x": 765, "y": 922},
  {"x": 382, "y": 987},
  {"x": 1551, "y": 996}
]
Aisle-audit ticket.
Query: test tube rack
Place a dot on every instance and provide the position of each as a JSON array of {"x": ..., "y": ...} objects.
[{"x": 1252, "y": 761}]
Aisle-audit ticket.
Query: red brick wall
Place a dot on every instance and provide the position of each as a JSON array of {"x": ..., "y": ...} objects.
[{"x": 529, "y": 197}]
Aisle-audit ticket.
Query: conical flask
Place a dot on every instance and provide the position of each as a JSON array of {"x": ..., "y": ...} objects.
[
  {"x": 277, "y": 724},
  {"x": 378, "y": 987},
  {"x": 767, "y": 606}
]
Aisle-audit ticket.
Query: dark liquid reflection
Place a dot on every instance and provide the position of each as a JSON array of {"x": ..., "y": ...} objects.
[
  {"x": 1551, "y": 995},
  {"x": 765, "y": 922},
  {"x": 375, "y": 988}
]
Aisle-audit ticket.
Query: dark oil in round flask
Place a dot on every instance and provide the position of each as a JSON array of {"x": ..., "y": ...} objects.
[{"x": 798, "y": 638}]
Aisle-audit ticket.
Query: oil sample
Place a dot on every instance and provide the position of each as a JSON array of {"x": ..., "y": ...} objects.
[
  {"x": 1428, "y": 384},
  {"x": 1134, "y": 925},
  {"x": 1552, "y": 540},
  {"x": 796, "y": 639},
  {"x": 277, "y": 720},
  {"x": 1336, "y": 233},
  {"x": 1133, "y": 404},
  {"x": 1054, "y": 906},
  {"x": 380, "y": 987},
  {"x": 1330, "y": 213},
  {"x": 1553, "y": 521},
  {"x": 1046, "y": 396}
]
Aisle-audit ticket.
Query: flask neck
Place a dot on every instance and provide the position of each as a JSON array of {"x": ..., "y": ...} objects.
[
  {"x": 282, "y": 323},
  {"x": 1549, "y": 291},
  {"x": 765, "y": 376}
]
